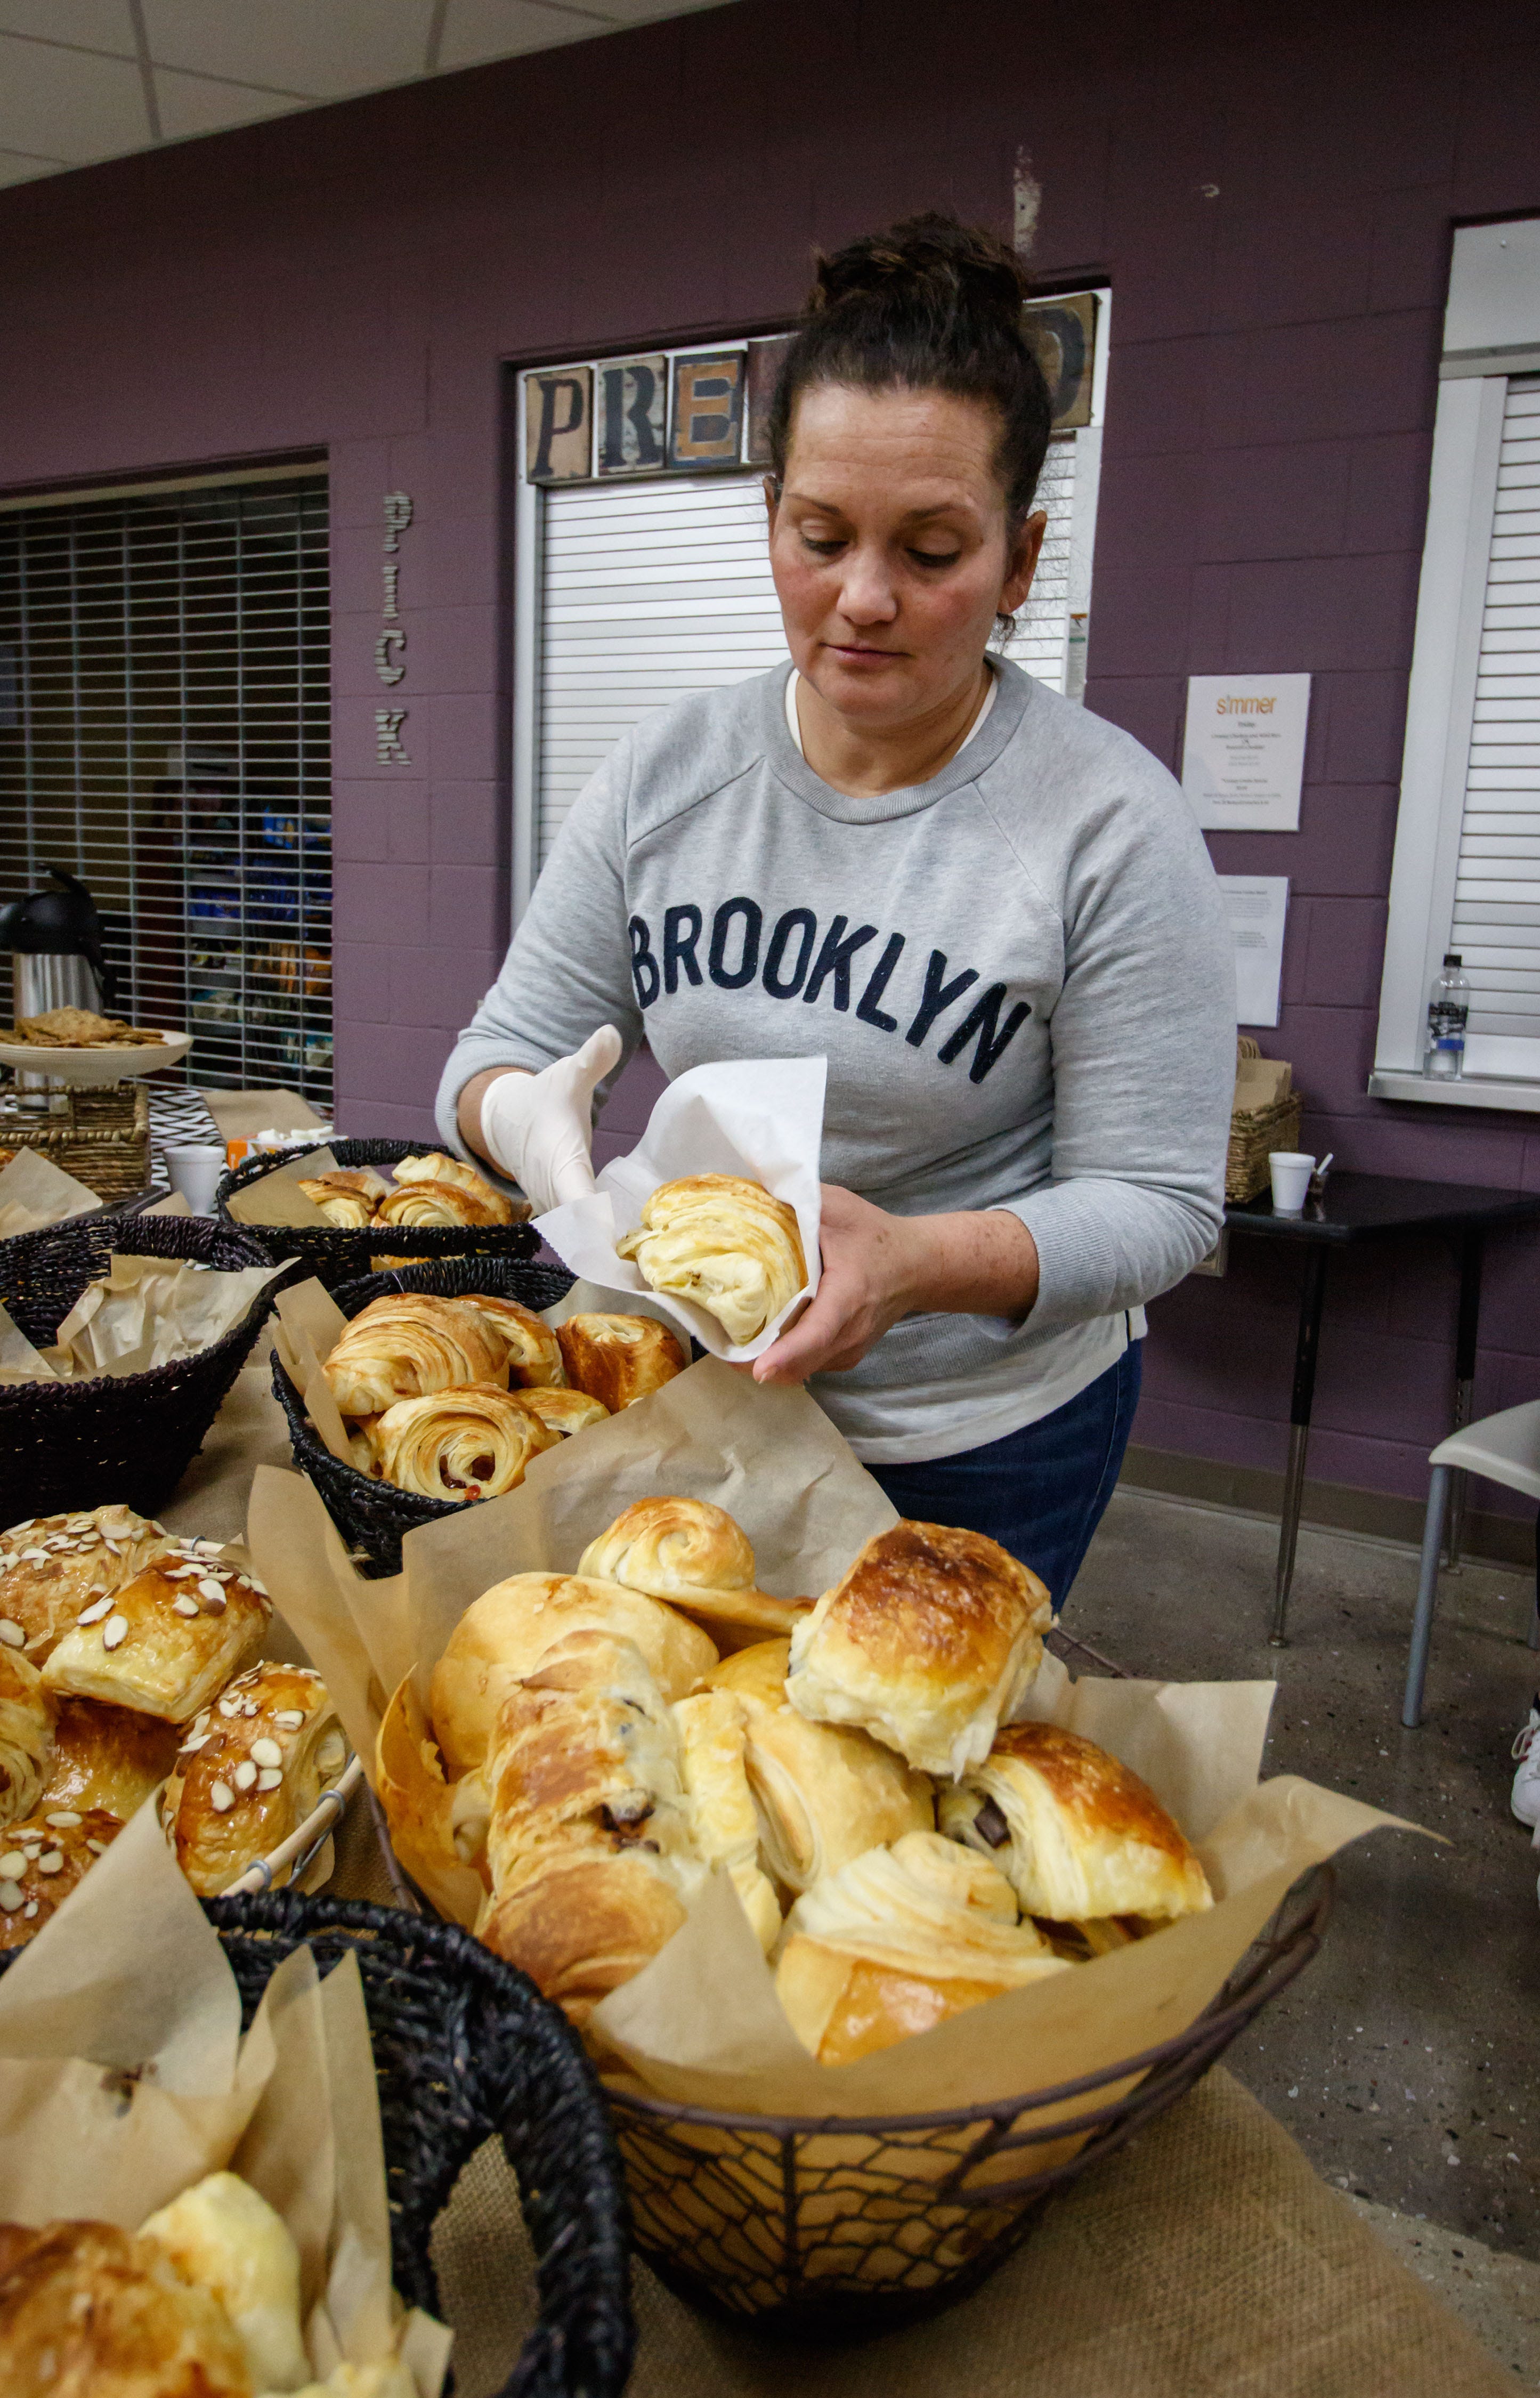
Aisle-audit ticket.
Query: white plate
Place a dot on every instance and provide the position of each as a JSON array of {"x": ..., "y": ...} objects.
[{"x": 88, "y": 1067}]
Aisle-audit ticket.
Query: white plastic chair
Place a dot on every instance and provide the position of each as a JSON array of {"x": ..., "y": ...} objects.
[{"x": 1503, "y": 1448}]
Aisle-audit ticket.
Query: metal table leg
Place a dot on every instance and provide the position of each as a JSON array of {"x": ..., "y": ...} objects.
[
  {"x": 1312, "y": 1298},
  {"x": 1464, "y": 1375}
]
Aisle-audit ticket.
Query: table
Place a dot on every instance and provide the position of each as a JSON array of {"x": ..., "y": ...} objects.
[{"x": 1356, "y": 1208}]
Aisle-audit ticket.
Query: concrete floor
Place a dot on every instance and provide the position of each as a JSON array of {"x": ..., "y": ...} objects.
[{"x": 1406, "y": 2059}]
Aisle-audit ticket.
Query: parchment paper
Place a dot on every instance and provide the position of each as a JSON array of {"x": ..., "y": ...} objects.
[
  {"x": 277, "y": 1198},
  {"x": 33, "y": 1191},
  {"x": 241, "y": 1115},
  {"x": 758, "y": 1117},
  {"x": 146, "y": 1312}
]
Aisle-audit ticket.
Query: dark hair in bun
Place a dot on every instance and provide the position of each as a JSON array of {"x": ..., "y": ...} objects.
[{"x": 932, "y": 304}]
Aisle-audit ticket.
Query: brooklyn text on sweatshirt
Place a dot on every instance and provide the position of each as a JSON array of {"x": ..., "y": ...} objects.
[{"x": 1019, "y": 972}]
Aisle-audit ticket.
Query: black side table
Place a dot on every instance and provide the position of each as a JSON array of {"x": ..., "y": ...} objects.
[{"x": 1373, "y": 1207}]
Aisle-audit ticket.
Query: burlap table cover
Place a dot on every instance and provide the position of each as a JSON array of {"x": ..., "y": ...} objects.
[{"x": 1206, "y": 2257}]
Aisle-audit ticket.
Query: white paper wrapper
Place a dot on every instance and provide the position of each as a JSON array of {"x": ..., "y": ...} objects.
[{"x": 760, "y": 1118}]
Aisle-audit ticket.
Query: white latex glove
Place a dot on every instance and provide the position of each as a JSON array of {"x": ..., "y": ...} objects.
[{"x": 539, "y": 1127}]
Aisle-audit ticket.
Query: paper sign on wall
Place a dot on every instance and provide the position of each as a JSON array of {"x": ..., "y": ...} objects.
[
  {"x": 1257, "y": 905},
  {"x": 1243, "y": 756}
]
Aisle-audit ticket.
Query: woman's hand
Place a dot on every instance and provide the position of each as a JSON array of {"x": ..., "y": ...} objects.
[
  {"x": 878, "y": 1267},
  {"x": 539, "y": 1127}
]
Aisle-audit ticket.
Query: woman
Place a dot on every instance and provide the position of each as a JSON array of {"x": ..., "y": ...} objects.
[{"x": 991, "y": 910}]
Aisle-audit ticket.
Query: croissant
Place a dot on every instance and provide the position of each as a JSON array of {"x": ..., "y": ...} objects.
[
  {"x": 347, "y": 1199},
  {"x": 619, "y": 1358},
  {"x": 534, "y": 1351},
  {"x": 471, "y": 1442},
  {"x": 583, "y": 1924},
  {"x": 87, "y": 2307},
  {"x": 563, "y": 1411},
  {"x": 693, "y": 1555},
  {"x": 438, "y": 1169},
  {"x": 712, "y": 1742},
  {"x": 725, "y": 1242},
  {"x": 406, "y": 1344}
]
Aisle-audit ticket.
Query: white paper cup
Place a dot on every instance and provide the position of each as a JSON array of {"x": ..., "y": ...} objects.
[
  {"x": 1291, "y": 1170},
  {"x": 195, "y": 1168}
]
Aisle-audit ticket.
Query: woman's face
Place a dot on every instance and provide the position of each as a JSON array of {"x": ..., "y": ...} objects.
[{"x": 889, "y": 548}]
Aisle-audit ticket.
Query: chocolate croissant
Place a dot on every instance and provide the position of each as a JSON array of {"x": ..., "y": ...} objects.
[
  {"x": 619, "y": 1358},
  {"x": 693, "y": 1555},
  {"x": 106, "y": 1758},
  {"x": 408, "y": 1343},
  {"x": 725, "y": 1242},
  {"x": 712, "y": 1762},
  {"x": 472, "y": 1442}
]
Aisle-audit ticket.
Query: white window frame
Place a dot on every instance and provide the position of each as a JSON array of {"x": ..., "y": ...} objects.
[{"x": 1492, "y": 331}]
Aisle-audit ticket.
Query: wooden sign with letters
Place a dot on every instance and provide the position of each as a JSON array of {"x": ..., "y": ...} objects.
[
  {"x": 558, "y": 424},
  {"x": 632, "y": 401},
  {"x": 707, "y": 427}
]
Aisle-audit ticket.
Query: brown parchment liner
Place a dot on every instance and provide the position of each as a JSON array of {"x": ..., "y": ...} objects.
[
  {"x": 35, "y": 1191},
  {"x": 143, "y": 1312},
  {"x": 275, "y": 1198},
  {"x": 124, "y": 2079}
]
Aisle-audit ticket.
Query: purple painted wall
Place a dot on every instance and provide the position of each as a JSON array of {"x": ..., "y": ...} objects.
[{"x": 1271, "y": 192}]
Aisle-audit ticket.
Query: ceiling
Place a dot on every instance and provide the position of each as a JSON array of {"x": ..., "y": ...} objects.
[{"x": 82, "y": 80}]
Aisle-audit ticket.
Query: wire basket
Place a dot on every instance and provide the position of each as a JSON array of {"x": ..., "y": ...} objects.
[
  {"x": 127, "y": 1437},
  {"x": 843, "y": 2227},
  {"x": 374, "y": 1517},
  {"x": 467, "y": 2050},
  {"x": 337, "y": 1255}
]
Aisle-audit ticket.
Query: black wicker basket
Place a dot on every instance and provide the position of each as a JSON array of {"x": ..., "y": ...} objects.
[
  {"x": 467, "y": 2050},
  {"x": 127, "y": 1437},
  {"x": 374, "y": 1517},
  {"x": 337, "y": 1255}
]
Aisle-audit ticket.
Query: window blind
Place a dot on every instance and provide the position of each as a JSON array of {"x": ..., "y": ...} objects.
[
  {"x": 1497, "y": 921},
  {"x": 167, "y": 738}
]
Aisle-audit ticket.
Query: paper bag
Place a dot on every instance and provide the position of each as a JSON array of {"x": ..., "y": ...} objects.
[
  {"x": 33, "y": 1191},
  {"x": 760, "y": 1118}
]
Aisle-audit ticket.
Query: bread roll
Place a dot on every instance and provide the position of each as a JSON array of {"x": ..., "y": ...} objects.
[
  {"x": 250, "y": 1771},
  {"x": 896, "y": 1942},
  {"x": 1079, "y": 1835},
  {"x": 619, "y": 1358},
  {"x": 169, "y": 1640},
  {"x": 407, "y": 1344},
  {"x": 714, "y": 1739},
  {"x": 723, "y": 1242},
  {"x": 563, "y": 1411},
  {"x": 533, "y": 1350},
  {"x": 91, "y": 2312},
  {"x": 503, "y": 1635},
  {"x": 108, "y": 1757},
  {"x": 440, "y": 1171},
  {"x": 53, "y": 1565},
  {"x": 929, "y": 1641},
  {"x": 473, "y": 1442},
  {"x": 693, "y": 1555},
  {"x": 824, "y": 1794},
  {"x": 26, "y": 1735},
  {"x": 41, "y": 1860},
  {"x": 222, "y": 2235}
]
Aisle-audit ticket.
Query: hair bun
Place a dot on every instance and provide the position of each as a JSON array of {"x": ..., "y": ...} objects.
[{"x": 932, "y": 263}]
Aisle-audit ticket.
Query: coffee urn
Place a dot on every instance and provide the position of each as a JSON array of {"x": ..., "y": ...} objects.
[{"x": 54, "y": 938}]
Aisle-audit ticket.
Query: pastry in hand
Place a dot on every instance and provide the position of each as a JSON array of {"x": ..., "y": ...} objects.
[
  {"x": 930, "y": 1641},
  {"x": 41, "y": 1860},
  {"x": 407, "y": 1344},
  {"x": 26, "y": 1735},
  {"x": 249, "y": 1771},
  {"x": 712, "y": 1734},
  {"x": 442, "y": 1171},
  {"x": 693, "y": 1555},
  {"x": 619, "y": 1358},
  {"x": 1079, "y": 1836},
  {"x": 169, "y": 1640},
  {"x": 897, "y": 1941},
  {"x": 346, "y": 1197},
  {"x": 504, "y": 1634},
  {"x": 106, "y": 1758},
  {"x": 53, "y": 1565},
  {"x": 564, "y": 1412},
  {"x": 723, "y": 1242},
  {"x": 825, "y": 1793},
  {"x": 223, "y": 2236},
  {"x": 534, "y": 1351},
  {"x": 89, "y": 2311},
  {"x": 463, "y": 1444}
]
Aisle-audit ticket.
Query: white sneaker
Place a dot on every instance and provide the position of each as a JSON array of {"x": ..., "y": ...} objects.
[{"x": 1525, "y": 1801}]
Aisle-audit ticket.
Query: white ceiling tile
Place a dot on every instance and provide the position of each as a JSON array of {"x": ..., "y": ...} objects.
[
  {"x": 69, "y": 103},
  {"x": 476, "y": 31},
  {"x": 14, "y": 169},
  {"x": 327, "y": 48},
  {"x": 89, "y": 24},
  {"x": 191, "y": 104}
]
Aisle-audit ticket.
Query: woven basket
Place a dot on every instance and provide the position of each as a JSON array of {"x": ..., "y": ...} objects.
[
  {"x": 845, "y": 2228},
  {"x": 1253, "y": 1133},
  {"x": 338, "y": 1257},
  {"x": 128, "y": 1438},
  {"x": 465, "y": 2050},
  {"x": 104, "y": 1139},
  {"x": 374, "y": 1517}
]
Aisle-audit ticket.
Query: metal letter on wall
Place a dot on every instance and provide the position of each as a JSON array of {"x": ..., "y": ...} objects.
[
  {"x": 708, "y": 410},
  {"x": 1063, "y": 334},
  {"x": 632, "y": 401},
  {"x": 557, "y": 425},
  {"x": 764, "y": 365}
]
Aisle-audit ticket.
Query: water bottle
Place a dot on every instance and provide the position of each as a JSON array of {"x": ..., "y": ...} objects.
[{"x": 1448, "y": 1007}]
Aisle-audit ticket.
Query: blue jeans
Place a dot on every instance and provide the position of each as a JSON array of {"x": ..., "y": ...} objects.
[{"x": 1040, "y": 1492}]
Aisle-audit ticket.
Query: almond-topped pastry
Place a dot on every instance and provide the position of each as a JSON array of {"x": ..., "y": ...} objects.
[
  {"x": 53, "y": 1565},
  {"x": 106, "y": 1756},
  {"x": 167, "y": 1641},
  {"x": 251, "y": 1768},
  {"x": 26, "y": 1735},
  {"x": 41, "y": 1860}
]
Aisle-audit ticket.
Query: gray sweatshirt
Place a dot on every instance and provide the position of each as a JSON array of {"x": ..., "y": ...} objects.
[{"x": 1020, "y": 973}]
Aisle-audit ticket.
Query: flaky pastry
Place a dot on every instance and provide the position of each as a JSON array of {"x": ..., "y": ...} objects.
[
  {"x": 583, "y": 1924},
  {"x": 713, "y": 1740},
  {"x": 223, "y": 2236},
  {"x": 53, "y": 1565},
  {"x": 26, "y": 1735},
  {"x": 441, "y": 1170},
  {"x": 346, "y": 1198},
  {"x": 107, "y": 1757},
  {"x": 41, "y": 1860},
  {"x": 471, "y": 1442},
  {"x": 725, "y": 1242},
  {"x": 167, "y": 1641},
  {"x": 564, "y": 1412},
  {"x": 438, "y": 1203},
  {"x": 692, "y": 1553},
  {"x": 87, "y": 2308},
  {"x": 619, "y": 1358},
  {"x": 406, "y": 1344},
  {"x": 534, "y": 1351},
  {"x": 249, "y": 1771}
]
